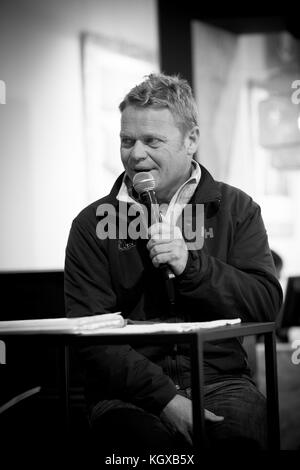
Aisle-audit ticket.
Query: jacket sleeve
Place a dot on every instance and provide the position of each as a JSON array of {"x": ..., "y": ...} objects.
[
  {"x": 111, "y": 371},
  {"x": 245, "y": 285}
]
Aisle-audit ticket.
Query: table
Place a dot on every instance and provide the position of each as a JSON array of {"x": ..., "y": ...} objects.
[{"x": 196, "y": 339}]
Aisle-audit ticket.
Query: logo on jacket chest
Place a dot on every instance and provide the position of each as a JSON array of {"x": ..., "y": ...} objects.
[
  {"x": 125, "y": 245},
  {"x": 208, "y": 232}
]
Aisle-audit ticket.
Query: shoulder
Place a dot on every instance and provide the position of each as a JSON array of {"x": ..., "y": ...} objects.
[
  {"x": 236, "y": 201},
  {"x": 88, "y": 215}
]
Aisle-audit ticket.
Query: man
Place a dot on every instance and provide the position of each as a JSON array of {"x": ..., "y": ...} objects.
[{"x": 141, "y": 397}]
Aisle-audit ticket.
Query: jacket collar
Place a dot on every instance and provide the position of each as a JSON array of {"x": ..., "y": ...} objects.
[
  {"x": 207, "y": 190},
  {"x": 206, "y": 193}
]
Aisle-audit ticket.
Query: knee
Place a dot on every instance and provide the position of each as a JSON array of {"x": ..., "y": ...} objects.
[{"x": 131, "y": 429}]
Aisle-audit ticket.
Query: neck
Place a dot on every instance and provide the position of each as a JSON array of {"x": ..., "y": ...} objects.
[{"x": 165, "y": 196}]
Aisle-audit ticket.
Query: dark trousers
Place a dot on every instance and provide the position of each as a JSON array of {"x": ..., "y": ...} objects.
[{"x": 129, "y": 429}]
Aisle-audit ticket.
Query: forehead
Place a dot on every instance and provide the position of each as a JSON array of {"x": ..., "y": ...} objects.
[{"x": 148, "y": 120}]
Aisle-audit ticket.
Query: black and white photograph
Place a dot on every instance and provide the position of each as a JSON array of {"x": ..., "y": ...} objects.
[{"x": 150, "y": 232}]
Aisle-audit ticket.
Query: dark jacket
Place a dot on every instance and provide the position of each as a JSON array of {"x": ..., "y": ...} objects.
[{"x": 233, "y": 275}]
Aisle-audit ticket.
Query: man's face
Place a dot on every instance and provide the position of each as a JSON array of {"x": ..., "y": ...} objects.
[{"x": 151, "y": 141}]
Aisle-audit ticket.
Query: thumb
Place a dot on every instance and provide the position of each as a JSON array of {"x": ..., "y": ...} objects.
[{"x": 212, "y": 417}]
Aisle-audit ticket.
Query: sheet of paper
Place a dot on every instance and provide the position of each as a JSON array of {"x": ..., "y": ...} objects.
[
  {"x": 162, "y": 327},
  {"x": 21, "y": 396}
]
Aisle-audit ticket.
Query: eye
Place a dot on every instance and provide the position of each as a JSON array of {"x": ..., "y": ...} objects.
[
  {"x": 127, "y": 142},
  {"x": 152, "y": 141}
]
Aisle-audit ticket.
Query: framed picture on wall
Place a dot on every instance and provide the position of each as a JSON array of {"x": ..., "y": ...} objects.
[
  {"x": 110, "y": 68},
  {"x": 272, "y": 138},
  {"x": 279, "y": 121}
]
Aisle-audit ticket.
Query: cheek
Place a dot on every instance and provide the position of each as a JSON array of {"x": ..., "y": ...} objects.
[{"x": 124, "y": 157}]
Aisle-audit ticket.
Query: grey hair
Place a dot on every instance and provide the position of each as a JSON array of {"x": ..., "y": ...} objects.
[{"x": 165, "y": 91}]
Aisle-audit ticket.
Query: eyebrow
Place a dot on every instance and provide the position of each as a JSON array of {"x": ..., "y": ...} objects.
[
  {"x": 159, "y": 136},
  {"x": 123, "y": 134}
]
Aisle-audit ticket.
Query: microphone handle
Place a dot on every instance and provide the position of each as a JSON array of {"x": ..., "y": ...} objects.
[
  {"x": 169, "y": 276},
  {"x": 148, "y": 198}
]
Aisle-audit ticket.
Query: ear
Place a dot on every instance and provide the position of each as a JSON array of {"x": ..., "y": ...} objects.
[{"x": 191, "y": 140}]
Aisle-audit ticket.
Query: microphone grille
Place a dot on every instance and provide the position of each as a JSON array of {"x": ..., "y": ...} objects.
[{"x": 143, "y": 181}]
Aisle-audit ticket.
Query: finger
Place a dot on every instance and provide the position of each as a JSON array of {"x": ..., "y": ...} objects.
[
  {"x": 162, "y": 258},
  {"x": 177, "y": 244},
  {"x": 188, "y": 438},
  {"x": 163, "y": 230},
  {"x": 160, "y": 249},
  {"x": 157, "y": 241},
  {"x": 212, "y": 417},
  {"x": 162, "y": 235},
  {"x": 157, "y": 229}
]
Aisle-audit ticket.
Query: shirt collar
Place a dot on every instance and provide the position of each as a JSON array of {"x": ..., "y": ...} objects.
[{"x": 182, "y": 195}]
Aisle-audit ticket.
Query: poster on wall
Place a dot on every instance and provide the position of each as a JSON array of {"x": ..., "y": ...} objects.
[{"x": 110, "y": 68}]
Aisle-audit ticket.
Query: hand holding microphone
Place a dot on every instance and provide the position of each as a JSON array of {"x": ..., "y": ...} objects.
[{"x": 166, "y": 246}]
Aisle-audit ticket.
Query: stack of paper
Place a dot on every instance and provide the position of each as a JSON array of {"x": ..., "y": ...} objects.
[{"x": 64, "y": 325}]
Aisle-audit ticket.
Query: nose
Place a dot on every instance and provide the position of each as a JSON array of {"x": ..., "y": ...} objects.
[{"x": 138, "y": 151}]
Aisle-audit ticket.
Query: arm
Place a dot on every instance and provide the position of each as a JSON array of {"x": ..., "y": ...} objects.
[
  {"x": 112, "y": 371},
  {"x": 245, "y": 285}
]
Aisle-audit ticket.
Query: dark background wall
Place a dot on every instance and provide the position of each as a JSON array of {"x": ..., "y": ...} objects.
[
  {"x": 37, "y": 363},
  {"x": 174, "y": 19}
]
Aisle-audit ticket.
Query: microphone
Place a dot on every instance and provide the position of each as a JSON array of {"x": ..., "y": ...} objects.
[{"x": 144, "y": 185}]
